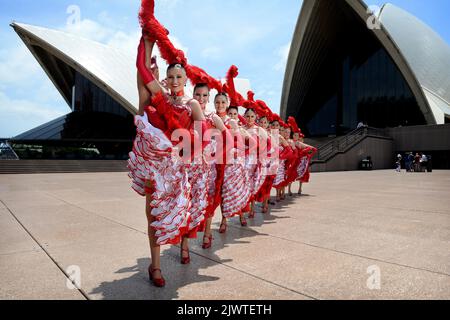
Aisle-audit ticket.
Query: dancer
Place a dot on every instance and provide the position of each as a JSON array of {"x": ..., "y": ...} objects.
[
  {"x": 254, "y": 170},
  {"x": 216, "y": 170},
  {"x": 291, "y": 164},
  {"x": 233, "y": 190},
  {"x": 168, "y": 183},
  {"x": 290, "y": 160},
  {"x": 236, "y": 192},
  {"x": 305, "y": 153},
  {"x": 284, "y": 154},
  {"x": 269, "y": 161}
]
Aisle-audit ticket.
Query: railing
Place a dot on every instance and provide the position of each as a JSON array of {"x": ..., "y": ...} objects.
[
  {"x": 6, "y": 152},
  {"x": 330, "y": 149}
]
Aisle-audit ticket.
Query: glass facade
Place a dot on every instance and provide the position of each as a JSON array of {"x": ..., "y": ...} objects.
[
  {"x": 90, "y": 98},
  {"x": 356, "y": 82}
]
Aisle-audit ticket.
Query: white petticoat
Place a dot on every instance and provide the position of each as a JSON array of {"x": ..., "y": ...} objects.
[{"x": 152, "y": 160}]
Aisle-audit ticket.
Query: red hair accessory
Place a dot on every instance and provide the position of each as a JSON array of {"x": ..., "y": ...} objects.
[
  {"x": 236, "y": 99},
  {"x": 283, "y": 124},
  {"x": 250, "y": 102},
  {"x": 251, "y": 96},
  {"x": 198, "y": 75},
  {"x": 293, "y": 125},
  {"x": 156, "y": 32},
  {"x": 264, "y": 110}
]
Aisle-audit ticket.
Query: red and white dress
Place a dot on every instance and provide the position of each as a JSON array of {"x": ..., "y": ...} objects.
[
  {"x": 178, "y": 195},
  {"x": 303, "y": 167},
  {"x": 253, "y": 168},
  {"x": 215, "y": 175},
  {"x": 269, "y": 165},
  {"x": 281, "y": 178},
  {"x": 235, "y": 191}
]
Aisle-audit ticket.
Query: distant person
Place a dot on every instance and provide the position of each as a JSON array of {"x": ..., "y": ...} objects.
[
  {"x": 423, "y": 163},
  {"x": 409, "y": 162},
  {"x": 417, "y": 162},
  {"x": 429, "y": 164},
  {"x": 399, "y": 163},
  {"x": 360, "y": 125}
]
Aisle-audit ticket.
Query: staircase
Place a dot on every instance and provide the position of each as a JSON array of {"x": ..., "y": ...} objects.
[
  {"x": 61, "y": 166},
  {"x": 339, "y": 145}
]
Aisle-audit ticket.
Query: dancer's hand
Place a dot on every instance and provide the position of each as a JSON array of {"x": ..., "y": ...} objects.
[
  {"x": 153, "y": 67},
  {"x": 233, "y": 124}
]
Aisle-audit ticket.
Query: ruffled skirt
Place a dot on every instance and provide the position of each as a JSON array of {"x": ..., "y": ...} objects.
[
  {"x": 235, "y": 191},
  {"x": 151, "y": 161},
  {"x": 280, "y": 177}
]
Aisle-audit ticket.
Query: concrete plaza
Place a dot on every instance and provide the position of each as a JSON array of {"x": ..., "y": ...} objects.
[{"x": 348, "y": 231}]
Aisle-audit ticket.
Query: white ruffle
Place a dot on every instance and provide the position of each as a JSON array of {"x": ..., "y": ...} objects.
[
  {"x": 281, "y": 174},
  {"x": 302, "y": 167},
  {"x": 152, "y": 159},
  {"x": 235, "y": 190}
]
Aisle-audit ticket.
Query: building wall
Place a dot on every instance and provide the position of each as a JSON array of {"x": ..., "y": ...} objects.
[{"x": 421, "y": 138}]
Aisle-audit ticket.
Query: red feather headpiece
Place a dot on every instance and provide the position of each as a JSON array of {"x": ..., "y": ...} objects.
[
  {"x": 156, "y": 32},
  {"x": 250, "y": 102},
  {"x": 264, "y": 110},
  {"x": 236, "y": 99},
  {"x": 294, "y": 126}
]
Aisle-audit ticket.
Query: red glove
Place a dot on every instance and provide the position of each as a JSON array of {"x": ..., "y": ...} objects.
[{"x": 146, "y": 75}]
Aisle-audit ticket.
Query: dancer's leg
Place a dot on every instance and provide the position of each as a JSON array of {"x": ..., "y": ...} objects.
[
  {"x": 207, "y": 233},
  {"x": 300, "y": 188},
  {"x": 155, "y": 249}
]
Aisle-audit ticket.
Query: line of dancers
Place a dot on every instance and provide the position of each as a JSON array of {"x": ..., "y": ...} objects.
[{"x": 188, "y": 162}]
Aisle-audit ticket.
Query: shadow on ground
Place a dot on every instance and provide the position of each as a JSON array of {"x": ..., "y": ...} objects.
[{"x": 180, "y": 277}]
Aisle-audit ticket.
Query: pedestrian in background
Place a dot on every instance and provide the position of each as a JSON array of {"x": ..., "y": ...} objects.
[
  {"x": 423, "y": 163},
  {"x": 417, "y": 162},
  {"x": 399, "y": 163}
]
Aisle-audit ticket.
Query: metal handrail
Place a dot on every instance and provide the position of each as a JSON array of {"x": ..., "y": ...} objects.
[{"x": 332, "y": 147}]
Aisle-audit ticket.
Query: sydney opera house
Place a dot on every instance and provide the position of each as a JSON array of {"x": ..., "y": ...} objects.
[
  {"x": 347, "y": 66},
  {"x": 388, "y": 70}
]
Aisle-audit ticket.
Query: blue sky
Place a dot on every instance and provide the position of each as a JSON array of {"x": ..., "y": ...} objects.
[{"x": 253, "y": 34}]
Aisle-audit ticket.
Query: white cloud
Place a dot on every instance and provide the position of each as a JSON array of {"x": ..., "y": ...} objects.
[
  {"x": 27, "y": 96},
  {"x": 282, "y": 55},
  {"x": 17, "y": 65},
  {"x": 89, "y": 29},
  {"x": 126, "y": 42}
]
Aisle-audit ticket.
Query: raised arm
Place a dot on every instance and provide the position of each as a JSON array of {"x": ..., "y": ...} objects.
[
  {"x": 197, "y": 112},
  {"x": 143, "y": 60}
]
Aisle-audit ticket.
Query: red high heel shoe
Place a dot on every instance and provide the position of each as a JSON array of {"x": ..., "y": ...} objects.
[
  {"x": 223, "y": 226},
  {"x": 251, "y": 215},
  {"x": 157, "y": 282},
  {"x": 185, "y": 260},
  {"x": 207, "y": 245},
  {"x": 243, "y": 221}
]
